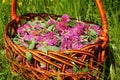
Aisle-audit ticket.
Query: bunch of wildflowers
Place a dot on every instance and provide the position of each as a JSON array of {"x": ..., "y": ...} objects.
[{"x": 56, "y": 34}]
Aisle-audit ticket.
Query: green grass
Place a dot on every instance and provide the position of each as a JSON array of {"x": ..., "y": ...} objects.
[{"x": 80, "y": 9}]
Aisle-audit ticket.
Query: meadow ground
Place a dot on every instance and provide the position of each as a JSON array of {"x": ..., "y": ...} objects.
[{"x": 80, "y": 9}]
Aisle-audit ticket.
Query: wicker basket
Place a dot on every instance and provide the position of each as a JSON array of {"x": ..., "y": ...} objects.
[{"x": 90, "y": 54}]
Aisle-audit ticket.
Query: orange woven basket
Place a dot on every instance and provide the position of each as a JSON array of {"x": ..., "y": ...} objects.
[{"x": 94, "y": 57}]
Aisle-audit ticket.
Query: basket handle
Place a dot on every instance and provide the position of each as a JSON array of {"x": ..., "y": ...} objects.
[
  {"x": 103, "y": 36},
  {"x": 13, "y": 10},
  {"x": 104, "y": 32}
]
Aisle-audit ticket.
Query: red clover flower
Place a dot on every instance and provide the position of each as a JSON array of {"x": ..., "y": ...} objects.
[{"x": 59, "y": 34}]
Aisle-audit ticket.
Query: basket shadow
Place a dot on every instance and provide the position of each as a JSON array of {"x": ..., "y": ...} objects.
[{"x": 110, "y": 60}]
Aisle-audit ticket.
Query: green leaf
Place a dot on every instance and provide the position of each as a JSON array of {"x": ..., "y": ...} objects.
[
  {"x": 31, "y": 23},
  {"x": 58, "y": 75},
  {"x": 51, "y": 78},
  {"x": 28, "y": 56},
  {"x": 53, "y": 48},
  {"x": 86, "y": 40},
  {"x": 95, "y": 72},
  {"x": 71, "y": 23},
  {"x": 41, "y": 64},
  {"x": 112, "y": 72},
  {"x": 92, "y": 32},
  {"x": 75, "y": 67},
  {"x": 84, "y": 69},
  {"x": 58, "y": 19},
  {"x": 32, "y": 45},
  {"x": 93, "y": 37},
  {"x": 14, "y": 73},
  {"x": 50, "y": 66},
  {"x": 18, "y": 35},
  {"x": 2, "y": 52},
  {"x": 59, "y": 37},
  {"x": 15, "y": 40},
  {"x": 43, "y": 25},
  {"x": 36, "y": 19},
  {"x": 83, "y": 36},
  {"x": 50, "y": 28},
  {"x": 28, "y": 42},
  {"x": 43, "y": 49}
]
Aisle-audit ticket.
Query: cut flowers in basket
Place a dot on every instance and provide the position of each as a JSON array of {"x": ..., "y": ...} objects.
[{"x": 61, "y": 33}]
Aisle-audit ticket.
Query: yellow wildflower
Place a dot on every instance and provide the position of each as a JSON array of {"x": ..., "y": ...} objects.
[
  {"x": 20, "y": 3},
  {"x": 3, "y": 1}
]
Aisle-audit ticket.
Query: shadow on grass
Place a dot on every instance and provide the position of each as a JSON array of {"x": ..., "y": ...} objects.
[{"x": 106, "y": 75}]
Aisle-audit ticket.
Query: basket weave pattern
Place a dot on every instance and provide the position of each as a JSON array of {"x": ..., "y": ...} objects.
[{"x": 93, "y": 54}]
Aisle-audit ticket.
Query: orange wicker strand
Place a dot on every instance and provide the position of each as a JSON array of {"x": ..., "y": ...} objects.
[
  {"x": 104, "y": 31},
  {"x": 91, "y": 58}
]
